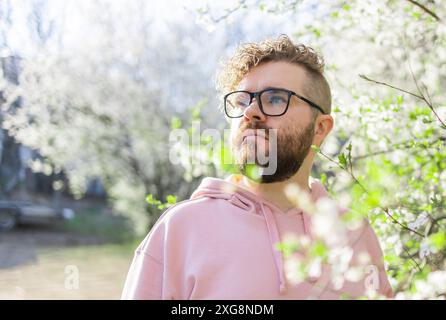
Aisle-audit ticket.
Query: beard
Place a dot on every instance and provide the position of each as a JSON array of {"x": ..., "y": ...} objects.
[{"x": 291, "y": 150}]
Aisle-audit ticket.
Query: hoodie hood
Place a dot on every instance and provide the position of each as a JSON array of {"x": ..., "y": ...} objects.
[{"x": 232, "y": 190}]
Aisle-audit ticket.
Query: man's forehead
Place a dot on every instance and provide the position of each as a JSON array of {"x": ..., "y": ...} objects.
[
  {"x": 273, "y": 75},
  {"x": 261, "y": 84}
]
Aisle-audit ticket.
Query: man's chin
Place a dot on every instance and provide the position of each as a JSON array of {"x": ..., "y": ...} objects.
[
  {"x": 247, "y": 162},
  {"x": 253, "y": 155},
  {"x": 262, "y": 172},
  {"x": 259, "y": 176}
]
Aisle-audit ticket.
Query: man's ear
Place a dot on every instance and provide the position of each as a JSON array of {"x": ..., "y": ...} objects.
[{"x": 322, "y": 127}]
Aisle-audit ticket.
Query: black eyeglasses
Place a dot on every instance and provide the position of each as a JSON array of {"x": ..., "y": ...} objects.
[{"x": 272, "y": 102}]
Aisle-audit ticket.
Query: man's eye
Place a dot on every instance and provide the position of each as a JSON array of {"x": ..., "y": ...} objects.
[
  {"x": 276, "y": 99},
  {"x": 241, "y": 103}
]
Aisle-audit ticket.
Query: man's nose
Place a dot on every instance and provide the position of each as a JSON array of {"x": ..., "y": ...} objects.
[{"x": 253, "y": 112}]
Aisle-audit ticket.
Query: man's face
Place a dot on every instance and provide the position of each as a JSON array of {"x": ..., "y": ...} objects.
[{"x": 295, "y": 129}]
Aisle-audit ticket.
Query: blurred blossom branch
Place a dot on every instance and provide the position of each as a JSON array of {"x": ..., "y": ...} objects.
[
  {"x": 425, "y": 9},
  {"x": 239, "y": 5},
  {"x": 343, "y": 165},
  {"x": 349, "y": 170},
  {"x": 401, "y": 145},
  {"x": 420, "y": 95},
  {"x": 206, "y": 12}
]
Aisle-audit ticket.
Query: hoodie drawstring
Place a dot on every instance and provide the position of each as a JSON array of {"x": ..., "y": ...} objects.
[
  {"x": 274, "y": 239},
  {"x": 247, "y": 203},
  {"x": 244, "y": 199}
]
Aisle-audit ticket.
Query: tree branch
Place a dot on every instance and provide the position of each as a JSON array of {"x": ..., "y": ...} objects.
[
  {"x": 425, "y": 9},
  {"x": 342, "y": 167},
  {"x": 396, "y": 147},
  {"x": 419, "y": 96},
  {"x": 386, "y": 210},
  {"x": 390, "y": 86}
]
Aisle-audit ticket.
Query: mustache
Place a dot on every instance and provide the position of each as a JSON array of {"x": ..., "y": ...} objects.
[{"x": 253, "y": 126}]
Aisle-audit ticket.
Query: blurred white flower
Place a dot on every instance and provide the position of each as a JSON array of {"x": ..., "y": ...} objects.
[
  {"x": 315, "y": 268},
  {"x": 299, "y": 198},
  {"x": 438, "y": 280},
  {"x": 421, "y": 220},
  {"x": 339, "y": 258},
  {"x": 364, "y": 258},
  {"x": 425, "y": 249},
  {"x": 354, "y": 274},
  {"x": 327, "y": 224},
  {"x": 294, "y": 270}
]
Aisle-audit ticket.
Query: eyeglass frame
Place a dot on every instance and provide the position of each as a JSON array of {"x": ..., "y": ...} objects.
[{"x": 257, "y": 96}]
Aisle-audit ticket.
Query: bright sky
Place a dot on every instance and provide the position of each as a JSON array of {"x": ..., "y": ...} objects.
[{"x": 75, "y": 16}]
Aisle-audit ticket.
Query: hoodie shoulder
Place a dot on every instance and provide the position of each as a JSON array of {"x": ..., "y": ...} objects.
[
  {"x": 175, "y": 218},
  {"x": 185, "y": 209}
]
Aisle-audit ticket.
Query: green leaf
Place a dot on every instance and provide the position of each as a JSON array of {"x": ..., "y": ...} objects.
[
  {"x": 416, "y": 15},
  {"x": 318, "y": 249},
  {"x": 334, "y": 14},
  {"x": 171, "y": 199},
  {"x": 324, "y": 179},
  {"x": 253, "y": 172},
  {"x": 437, "y": 240},
  {"x": 315, "y": 148},
  {"x": 225, "y": 160},
  {"x": 175, "y": 123},
  {"x": 151, "y": 200},
  {"x": 287, "y": 247},
  {"x": 342, "y": 161}
]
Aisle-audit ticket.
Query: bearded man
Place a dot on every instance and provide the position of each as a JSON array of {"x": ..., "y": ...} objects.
[{"x": 223, "y": 242}]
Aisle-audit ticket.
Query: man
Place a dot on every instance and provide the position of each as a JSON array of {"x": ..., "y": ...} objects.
[{"x": 222, "y": 243}]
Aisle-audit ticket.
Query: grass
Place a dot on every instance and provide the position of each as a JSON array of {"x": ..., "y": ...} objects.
[
  {"x": 102, "y": 260},
  {"x": 101, "y": 271},
  {"x": 105, "y": 226}
]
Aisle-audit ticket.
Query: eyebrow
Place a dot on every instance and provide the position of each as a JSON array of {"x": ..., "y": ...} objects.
[
  {"x": 277, "y": 88},
  {"x": 266, "y": 88}
]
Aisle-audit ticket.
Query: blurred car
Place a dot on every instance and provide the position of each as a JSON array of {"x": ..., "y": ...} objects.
[{"x": 15, "y": 212}]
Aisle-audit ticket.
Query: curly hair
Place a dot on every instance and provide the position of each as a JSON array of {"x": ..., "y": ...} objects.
[{"x": 249, "y": 55}]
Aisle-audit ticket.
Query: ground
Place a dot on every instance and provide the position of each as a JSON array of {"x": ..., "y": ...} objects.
[{"x": 37, "y": 261}]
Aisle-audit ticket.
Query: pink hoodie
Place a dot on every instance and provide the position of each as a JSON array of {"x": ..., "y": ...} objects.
[{"x": 221, "y": 244}]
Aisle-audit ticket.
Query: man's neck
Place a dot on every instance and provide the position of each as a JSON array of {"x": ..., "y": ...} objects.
[{"x": 275, "y": 192}]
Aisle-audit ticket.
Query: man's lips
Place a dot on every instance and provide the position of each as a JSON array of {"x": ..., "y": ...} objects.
[{"x": 255, "y": 133}]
